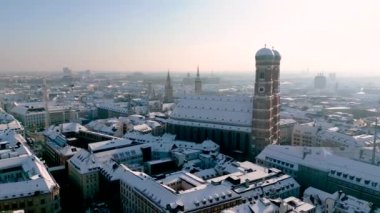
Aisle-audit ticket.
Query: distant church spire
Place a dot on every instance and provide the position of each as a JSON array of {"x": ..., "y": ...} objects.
[
  {"x": 168, "y": 97},
  {"x": 198, "y": 83}
]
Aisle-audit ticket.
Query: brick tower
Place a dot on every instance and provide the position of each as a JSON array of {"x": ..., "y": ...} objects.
[{"x": 266, "y": 100}]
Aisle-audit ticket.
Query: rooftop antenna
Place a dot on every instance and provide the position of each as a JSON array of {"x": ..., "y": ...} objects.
[{"x": 46, "y": 99}]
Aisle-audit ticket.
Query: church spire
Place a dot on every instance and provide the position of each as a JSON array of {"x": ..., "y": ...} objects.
[
  {"x": 168, "y": 97},
  {"x": 198, "y": 83},
  {"x": 168, "y": 81}
]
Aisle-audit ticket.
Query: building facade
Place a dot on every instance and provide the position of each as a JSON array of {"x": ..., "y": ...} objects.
[{"x": 33, "y": 116}]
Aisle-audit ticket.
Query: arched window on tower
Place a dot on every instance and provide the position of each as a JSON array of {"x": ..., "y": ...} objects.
[{"x": 261, "y": 75}]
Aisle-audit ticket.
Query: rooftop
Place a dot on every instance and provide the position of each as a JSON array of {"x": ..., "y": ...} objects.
[
  {"x": 324, "y": 159},
  {"x": 220, "y": 110},
  {"x": 33, "y": 177}
]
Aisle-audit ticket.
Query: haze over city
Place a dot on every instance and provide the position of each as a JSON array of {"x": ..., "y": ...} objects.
[
  {"x": 319, "y": 36},
  {"x": 174, "y": 106}
]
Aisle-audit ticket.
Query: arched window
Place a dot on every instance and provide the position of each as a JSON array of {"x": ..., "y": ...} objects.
[{"x": 261, "y": 75}]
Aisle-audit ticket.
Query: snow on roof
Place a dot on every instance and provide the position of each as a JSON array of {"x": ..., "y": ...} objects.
[
  {"x": 347, "y": 202},
  {"x": 72, "y": 127},
  {"x": 287, "y": 121},
  {"x": 14, "y": 145},
  {"x": 311, "y": 191},
  {"x": 153, "y": 124},
  {"x": 101, "y": 153},
  {"x": 168, "y": 140},
  {"x": 143, "y": 128},
  {"x": 251, "y": 180},
  {"x": 221, "y": 110},
  {"x": 5, "y": 117},
  {"x": 107, "y": 145},
  {"x": 14, "y": 125},
  {"x": 107, "y": 126},
  {"x": 66, "y": 150},
  {"x": 210, "y": 125},
  {"x": 340, "y": 138},
  {"x": 297, "y": 205},
  {"x": 163, "y": 196},
  {"x": 37, "y": 179},
  {"x": 121, "y": 107},
  {"x": 27, "y": 108},
  {"x": 324, "y": 159}
]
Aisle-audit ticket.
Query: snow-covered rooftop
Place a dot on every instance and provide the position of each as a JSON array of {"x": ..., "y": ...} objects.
[
  {"x": 163, "y": 196},
  {"x": 36, "y": 178},
  {"x": 346, "y": 202},
  {"x": 366, "y": 175},
  {"x": 219, "y": 110},
  {"x": 107, "y": 145}
]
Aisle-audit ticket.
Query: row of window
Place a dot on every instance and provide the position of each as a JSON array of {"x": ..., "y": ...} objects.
[{"x": 353, "y": 178}]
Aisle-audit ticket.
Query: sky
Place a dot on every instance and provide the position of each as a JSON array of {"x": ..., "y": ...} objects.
[{"x": 339, "y": 36}]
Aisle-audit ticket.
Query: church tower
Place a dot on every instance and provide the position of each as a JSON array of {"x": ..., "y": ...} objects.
[
  {"x": 198, "y": 83},
  {"x": 168, "y": 97},
  {"x": 266, "y": 100}
]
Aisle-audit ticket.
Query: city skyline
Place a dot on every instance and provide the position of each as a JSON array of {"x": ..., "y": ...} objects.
[{"x": 318, "y": 36}]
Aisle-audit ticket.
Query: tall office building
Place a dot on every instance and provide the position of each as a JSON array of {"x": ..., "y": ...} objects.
[{"x": 266, "y": 99}]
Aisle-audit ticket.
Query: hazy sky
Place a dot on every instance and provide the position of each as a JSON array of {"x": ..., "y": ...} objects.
[{"x": 322, "y": 35}]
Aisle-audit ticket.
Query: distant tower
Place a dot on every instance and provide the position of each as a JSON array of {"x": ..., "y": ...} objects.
[
  {"x": 320, "y": 81},
  {"x": 168, "y": 98},
  {"x": 266, "y": 100},
  {"x": 46, "y": 100},
  {"x": 198, "y": 83},
  {"x": 67, "y": 74},
  {"x": 150, "y": 90}
]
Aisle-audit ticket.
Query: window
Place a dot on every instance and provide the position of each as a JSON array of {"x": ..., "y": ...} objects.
[{"x": 261, "y": 75}]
